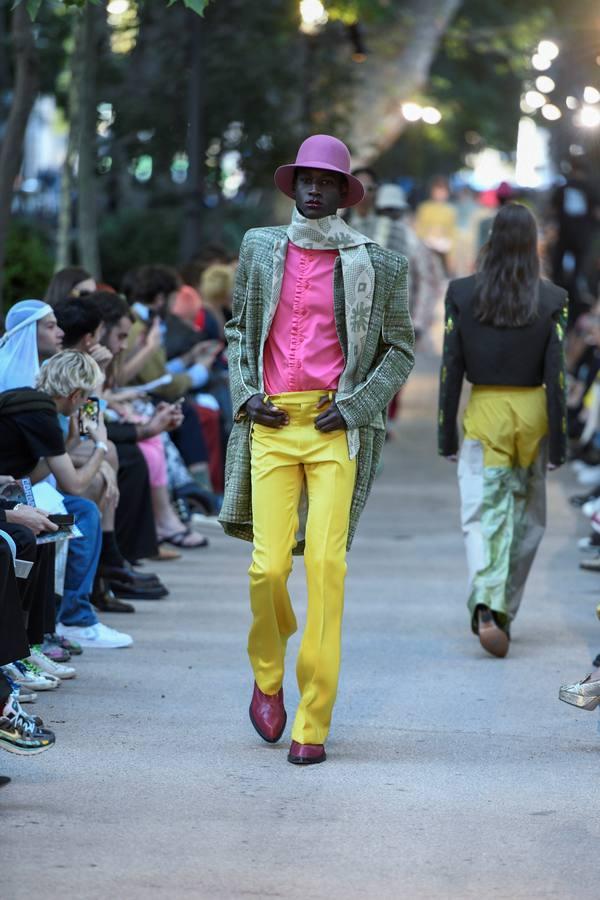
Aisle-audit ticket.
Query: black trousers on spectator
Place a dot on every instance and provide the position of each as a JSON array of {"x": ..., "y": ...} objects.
[
  {"x": 38, "y": 601},
  {"x": 134, "y": 521},
  {"x": 13, "y": 638},
  {"x": 188, "y": 438}
]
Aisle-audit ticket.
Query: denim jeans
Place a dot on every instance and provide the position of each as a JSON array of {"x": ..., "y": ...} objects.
[{"x": 82, "y": 562}]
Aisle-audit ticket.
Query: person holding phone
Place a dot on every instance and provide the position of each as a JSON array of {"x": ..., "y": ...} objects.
[{"x": 33, "y": 445}]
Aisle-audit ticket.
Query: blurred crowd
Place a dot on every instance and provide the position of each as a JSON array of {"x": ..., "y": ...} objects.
[{"x": 115, "y": 413}]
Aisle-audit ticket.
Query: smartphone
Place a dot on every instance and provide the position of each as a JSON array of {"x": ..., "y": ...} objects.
[
  {"x": 89, "y": 414},
  {"x": 63, "y": 520}
]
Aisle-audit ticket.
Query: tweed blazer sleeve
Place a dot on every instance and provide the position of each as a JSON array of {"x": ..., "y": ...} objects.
[
  {"x": 394, "y": 358},
  {"x": 240, "y": 379}
]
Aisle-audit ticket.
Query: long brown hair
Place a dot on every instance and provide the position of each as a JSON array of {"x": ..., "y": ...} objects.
[{"x": 509, "y": 271}]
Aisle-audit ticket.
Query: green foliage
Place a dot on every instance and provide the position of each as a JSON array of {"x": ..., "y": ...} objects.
[
  {"x": 28, "y": 266},
  {"x": 34, "y": 6},
  {"x": 133, "y": 237}
]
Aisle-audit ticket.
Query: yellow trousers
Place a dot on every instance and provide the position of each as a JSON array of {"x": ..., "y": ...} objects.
[{"x": 283, "y": 462}]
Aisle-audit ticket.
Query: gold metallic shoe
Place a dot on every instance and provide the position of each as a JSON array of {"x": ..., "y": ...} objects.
[{"x": 585, "y": 694}]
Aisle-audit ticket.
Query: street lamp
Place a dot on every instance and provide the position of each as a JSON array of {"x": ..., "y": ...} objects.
[
  {"x": 541, "y": 63},
  {"x": 551, "y": 112},
  {"x": 412, "y": 112},
  {"x": 313, "y": 16},
  {"x": 548, "y": 49},
  {"x": 431, "y": 115},
  {"x": 534, "y": 99},
  {"x": 589, "y": 117},
  {"x": 544, "y": 84},
  {"x": 591, "y": 95}
]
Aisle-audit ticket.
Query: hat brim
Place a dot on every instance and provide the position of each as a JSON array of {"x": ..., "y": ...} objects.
[{"x": 284, "y": 180}]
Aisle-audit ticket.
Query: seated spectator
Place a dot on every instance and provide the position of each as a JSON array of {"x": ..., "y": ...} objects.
[
  {"x": 81, "y": 323},
  {"x": 32, "y": 335},
  {"x": 149, "y": 293},
  {"x": 19, "y": 733},
  {"x": 33, "y": 445},
  {"x": 70, "y": 282},
  {"x": 145, "y": 430},
  {"x": 216, "y": 289}
]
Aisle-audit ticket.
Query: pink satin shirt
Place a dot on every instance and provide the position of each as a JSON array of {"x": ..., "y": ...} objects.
[{"x": 302, "y": 351}]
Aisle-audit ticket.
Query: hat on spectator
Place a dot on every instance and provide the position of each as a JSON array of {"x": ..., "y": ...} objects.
[
  {"x": 391, "y": 196},
  {"x": 321, "y": 151}
]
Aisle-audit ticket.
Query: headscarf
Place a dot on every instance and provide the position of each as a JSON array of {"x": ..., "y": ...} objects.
[{"x": 19, "y": 362}]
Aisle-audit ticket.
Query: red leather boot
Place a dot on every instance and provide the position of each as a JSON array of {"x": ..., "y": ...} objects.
[{"x": 268, "y": 715}]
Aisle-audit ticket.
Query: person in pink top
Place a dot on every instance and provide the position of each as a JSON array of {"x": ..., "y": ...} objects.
[{"x": 319, "y": 342}]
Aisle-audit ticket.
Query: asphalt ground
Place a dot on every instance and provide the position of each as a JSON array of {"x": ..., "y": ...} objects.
[{"x": 450, "y": 774}]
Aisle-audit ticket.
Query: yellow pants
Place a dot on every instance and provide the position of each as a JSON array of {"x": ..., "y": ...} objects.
[{"x": 283, "y": 461}]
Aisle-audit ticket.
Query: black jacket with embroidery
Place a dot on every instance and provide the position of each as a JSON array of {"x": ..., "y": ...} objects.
[{"x": 527, "y": 356}]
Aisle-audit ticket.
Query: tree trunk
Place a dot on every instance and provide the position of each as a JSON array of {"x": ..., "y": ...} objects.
[
  {"x": 87, "y": 234},
  {"x": 67, "y": 184},
  {"x": 397, "y": 67},
  {"x": 191, "y": 237},
  {"x": 25, "y": 91}
]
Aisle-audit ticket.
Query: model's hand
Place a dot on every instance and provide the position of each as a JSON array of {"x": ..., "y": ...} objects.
[
  {"x": 331, "y": 419},
  {"x": 32, "y": 517},
  {"x": 263, "y": 412}
]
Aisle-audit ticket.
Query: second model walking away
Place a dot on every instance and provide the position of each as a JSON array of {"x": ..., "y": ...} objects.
[{"x": 504, "y": 331}]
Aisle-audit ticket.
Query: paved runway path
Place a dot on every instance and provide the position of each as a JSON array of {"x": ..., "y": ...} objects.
[{"x": 450, "y": 774}]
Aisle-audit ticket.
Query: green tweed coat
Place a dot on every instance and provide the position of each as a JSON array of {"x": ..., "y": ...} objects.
[{"x": 386, "y": 362}]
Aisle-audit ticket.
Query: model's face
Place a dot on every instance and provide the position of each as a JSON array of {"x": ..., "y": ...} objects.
[
  {"x": 319, "y": 193},
  {"x": 49, "y": 336},
  {"x": 116, "y": 337}
]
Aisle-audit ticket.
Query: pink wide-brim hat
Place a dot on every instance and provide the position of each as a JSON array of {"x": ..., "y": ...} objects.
[{"x": 321, "y": 151}]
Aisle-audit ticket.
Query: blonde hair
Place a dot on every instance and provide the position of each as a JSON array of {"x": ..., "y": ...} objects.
[
  {"x": 69, "y": 371},
  {"x": 216, "y": 283}
]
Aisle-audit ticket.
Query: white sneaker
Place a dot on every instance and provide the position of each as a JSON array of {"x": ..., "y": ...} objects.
[
  {"x": 98, "y": 635},
  {"x": 590, "y": 507},
  {"x": 589, "y": 476},
  {"x": 586, "y": 546},
  {"x": 49, "y": 667},
  {"x": 36, "y": 680}
]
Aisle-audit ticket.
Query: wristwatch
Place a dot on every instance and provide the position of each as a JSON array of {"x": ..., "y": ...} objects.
[{"x": 100, "y": 445}]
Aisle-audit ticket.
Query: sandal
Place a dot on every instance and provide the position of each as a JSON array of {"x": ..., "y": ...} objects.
[
  {"x": 178, "y": 539},
  {"x": 165, "y": 554}
]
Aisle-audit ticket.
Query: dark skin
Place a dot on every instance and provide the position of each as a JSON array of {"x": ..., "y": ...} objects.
[{"x": 318, "y": 193}]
